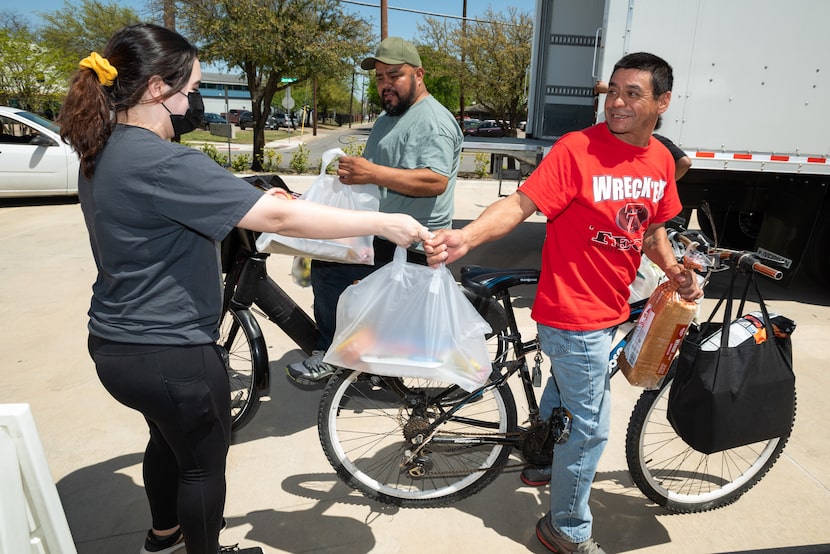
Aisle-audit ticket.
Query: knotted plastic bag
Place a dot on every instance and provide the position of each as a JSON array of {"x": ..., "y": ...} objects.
[
  {"x": 409, "y": 320},
  {"x": 328, "y": 190}
]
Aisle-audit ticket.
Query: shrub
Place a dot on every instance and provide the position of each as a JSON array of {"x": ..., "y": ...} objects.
[
  {"x": 240, "y": 163},
  {"x": 354, "y": 148},
  {"x": 213, "y": 153},
  {"x": 299, "y": 159},
  {"x": 482, "y": 160},
  {"x": 272, "y": 161}
]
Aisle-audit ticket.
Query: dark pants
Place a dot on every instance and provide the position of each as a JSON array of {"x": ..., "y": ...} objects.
[
  {"x": 330, "y": 279},
  {"x": 184, "y": 395}
]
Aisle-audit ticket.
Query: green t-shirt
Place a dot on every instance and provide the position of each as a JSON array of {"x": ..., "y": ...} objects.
[{"x": 425, "y": 136}]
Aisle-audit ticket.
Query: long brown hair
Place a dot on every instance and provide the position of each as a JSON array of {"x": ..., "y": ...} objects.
[{"x": 137, "y": 52}]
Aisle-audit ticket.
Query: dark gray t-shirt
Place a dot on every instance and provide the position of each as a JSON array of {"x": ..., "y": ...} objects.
[{"x": 155, "y": 212}]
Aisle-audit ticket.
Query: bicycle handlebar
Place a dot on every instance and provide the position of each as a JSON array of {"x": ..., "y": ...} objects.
[{"x": 748, "y": 262}]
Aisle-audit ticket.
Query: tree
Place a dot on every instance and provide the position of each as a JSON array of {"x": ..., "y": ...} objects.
[
  {"x": 269, "y": 40},
  {"x": 29, "y": 78},
  {"x": 440, "y": 77},
  {"x": 333, "y": 95},
  {"x": 497, "y": 55},
  {"x": 76, "y": 30},
  {"x": 440, "y": 58}
]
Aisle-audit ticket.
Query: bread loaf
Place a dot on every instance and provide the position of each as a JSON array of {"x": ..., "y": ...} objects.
[{"x": 646, "y": 358}]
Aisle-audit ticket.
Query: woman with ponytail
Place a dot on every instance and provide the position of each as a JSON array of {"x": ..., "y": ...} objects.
[{"x": 156, "y": 212}]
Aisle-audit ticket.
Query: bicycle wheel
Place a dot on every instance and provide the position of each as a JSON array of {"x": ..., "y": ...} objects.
[
  {"x": 674, "y": 475},
  {"x": 370, "y": 428},
  {"x": 240, "y": 335}
]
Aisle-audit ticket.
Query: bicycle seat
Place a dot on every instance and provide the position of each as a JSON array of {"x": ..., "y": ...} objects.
[{"x": 486, "y": 281}]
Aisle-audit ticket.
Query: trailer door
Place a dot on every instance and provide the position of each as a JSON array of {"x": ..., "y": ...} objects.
[{"x": 566, "y": 51}]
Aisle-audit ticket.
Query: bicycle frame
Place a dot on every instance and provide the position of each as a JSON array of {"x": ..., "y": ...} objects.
[
  {"x": 249, "y": 281},
  {"x": 504, "y": 370}
]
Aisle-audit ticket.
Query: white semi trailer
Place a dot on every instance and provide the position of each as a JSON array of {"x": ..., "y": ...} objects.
[{"x": 750, "y": 105}]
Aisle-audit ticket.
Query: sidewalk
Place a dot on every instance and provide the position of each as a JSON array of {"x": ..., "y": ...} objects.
[{"x": 282, "y": 493}]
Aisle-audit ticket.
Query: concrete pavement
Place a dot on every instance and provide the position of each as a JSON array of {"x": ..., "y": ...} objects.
[{"x": 282, "y": 493}]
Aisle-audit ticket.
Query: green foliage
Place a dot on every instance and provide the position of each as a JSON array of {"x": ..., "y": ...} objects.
[
  {"x": 482, "y": 161},
  {"x": 213, "y": 153},
  {"x": 29, "y": 78},
  {"x": 80, "y": 28},
  {"x": 354, "y": 148},
  {"x": 269, "y": 41},
  {"x": 334, "y": 95},
  {"x": 272, "y": 161},
  {"x": 300, "y": 159},
  {"x": 240, "y": 163},
  {"x": 496, "y": 57}
]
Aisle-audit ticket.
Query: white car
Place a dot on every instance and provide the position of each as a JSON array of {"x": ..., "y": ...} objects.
[{"x": 34, "y": 161}]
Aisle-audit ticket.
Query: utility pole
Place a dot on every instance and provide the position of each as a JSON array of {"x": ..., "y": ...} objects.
[
  {"x": 384, "y": 17},
  {"x": 463, "y": 65},
  {"x": 351, "y": 100}
]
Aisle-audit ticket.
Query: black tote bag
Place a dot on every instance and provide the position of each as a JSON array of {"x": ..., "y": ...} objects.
[{"x": 732, "y": 396}]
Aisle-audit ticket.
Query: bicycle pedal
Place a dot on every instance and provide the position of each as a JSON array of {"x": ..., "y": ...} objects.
[{"x": 561, "y": 425}]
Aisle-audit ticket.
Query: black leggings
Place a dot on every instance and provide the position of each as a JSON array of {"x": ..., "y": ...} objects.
[{"x": 184, "y": 395}]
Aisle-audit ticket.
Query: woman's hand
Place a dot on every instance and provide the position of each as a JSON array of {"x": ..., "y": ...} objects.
[{"x": 404, "y": 230}]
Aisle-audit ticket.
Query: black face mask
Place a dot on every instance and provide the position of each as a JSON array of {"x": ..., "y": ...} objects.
[{"x": 192, "y": 117}]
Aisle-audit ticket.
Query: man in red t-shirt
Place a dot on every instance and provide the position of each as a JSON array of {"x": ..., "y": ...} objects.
[{"x": 606, "y": 192}]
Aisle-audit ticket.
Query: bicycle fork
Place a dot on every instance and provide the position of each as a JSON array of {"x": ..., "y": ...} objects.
[{"x": 256, "y": 287}]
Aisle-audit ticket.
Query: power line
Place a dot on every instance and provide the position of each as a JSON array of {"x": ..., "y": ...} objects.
[{"x": 446, "y": 15}]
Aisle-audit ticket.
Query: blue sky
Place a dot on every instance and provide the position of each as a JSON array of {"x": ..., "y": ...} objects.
[{"x": 400, "y": 23}]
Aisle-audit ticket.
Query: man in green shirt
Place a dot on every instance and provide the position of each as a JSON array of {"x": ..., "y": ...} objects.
[{"x": 412, "y": 154}]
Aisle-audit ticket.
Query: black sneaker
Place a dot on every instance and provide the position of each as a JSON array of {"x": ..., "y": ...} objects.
[
  {"x": 555, "y": 542},
  {"x": 536, "y": 476},
  {"x": 166, "y": 545},
  {"x": 312, "y": 370}
]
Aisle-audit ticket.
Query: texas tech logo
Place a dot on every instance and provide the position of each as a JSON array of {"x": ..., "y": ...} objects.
[{"x": 632, "y": 217}]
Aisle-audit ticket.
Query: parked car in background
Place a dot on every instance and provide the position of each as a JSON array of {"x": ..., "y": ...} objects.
[
  {"x": 34, "y": 161},
  {"x": 209, "y": 118},
  {"x": 487, "y": 128},
  {"x": 232, "y": 116},
  {"x": 278, "y": 120},
  {"x": 274, "y": 121},
  {"x": 470, "y": 123},
  {"x": 246, "y": 119}
]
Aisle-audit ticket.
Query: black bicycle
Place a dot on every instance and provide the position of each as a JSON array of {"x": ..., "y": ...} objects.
[
  {"x": 248, "y": 290},
  {"x": 420, "y": 443}
]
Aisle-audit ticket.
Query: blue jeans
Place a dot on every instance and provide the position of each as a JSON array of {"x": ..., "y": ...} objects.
[{"x": 579, "y": 382}]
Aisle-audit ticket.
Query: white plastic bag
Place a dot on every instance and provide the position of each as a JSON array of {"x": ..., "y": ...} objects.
[
  {"x": 328, "y": 190},
  {"x": 409, "y": 320}
]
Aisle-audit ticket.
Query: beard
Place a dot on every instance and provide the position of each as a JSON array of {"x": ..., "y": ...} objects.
[{"x": 404, "y": 102}]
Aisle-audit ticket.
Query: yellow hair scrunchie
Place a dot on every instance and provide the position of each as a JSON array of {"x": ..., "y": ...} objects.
[{"x": 102, "y": 68}]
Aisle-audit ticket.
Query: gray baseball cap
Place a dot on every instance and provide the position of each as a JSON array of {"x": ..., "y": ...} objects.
[{"x": 394, "y": 51}]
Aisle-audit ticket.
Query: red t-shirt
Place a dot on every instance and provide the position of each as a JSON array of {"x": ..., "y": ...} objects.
[{"x": 599, "y": 195}]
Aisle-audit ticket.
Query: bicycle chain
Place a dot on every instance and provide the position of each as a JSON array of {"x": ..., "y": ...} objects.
[{"x": 499, "y": 468}]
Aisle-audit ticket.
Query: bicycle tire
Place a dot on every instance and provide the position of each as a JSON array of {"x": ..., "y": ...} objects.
[
  {"x": 362, "y": 422},
  {"x": 247, "y": 364},
  {"x": 681, "y": 479}
]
